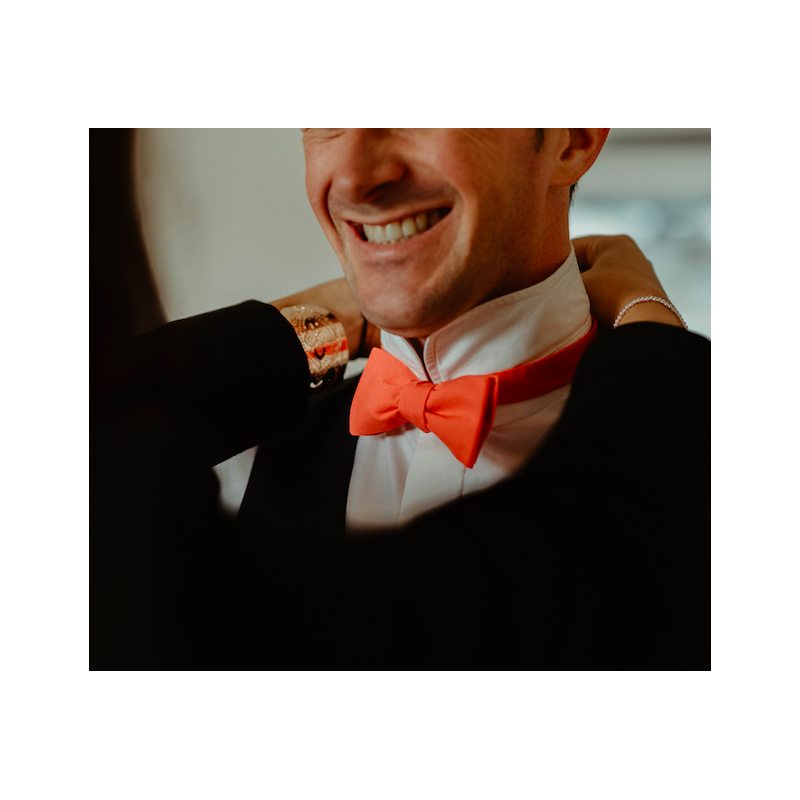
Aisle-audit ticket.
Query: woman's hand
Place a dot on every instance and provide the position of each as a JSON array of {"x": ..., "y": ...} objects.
[
  {"x": 615, "y": 272},
  {"x": 336, "y": 297},
  {"x": 613, "y": 268}
]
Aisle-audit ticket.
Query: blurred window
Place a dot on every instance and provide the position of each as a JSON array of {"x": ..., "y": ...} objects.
[{"x": 674, "y": 234}]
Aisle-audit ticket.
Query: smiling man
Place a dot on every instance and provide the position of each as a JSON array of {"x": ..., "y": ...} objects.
[
  {"x": 455, "y": 243},
  {"x": 429, "y": 223},
  {"x": 547, "y": 499}
]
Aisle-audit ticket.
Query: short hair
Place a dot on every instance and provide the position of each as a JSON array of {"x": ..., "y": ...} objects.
[{"x": 538, "y": 141}]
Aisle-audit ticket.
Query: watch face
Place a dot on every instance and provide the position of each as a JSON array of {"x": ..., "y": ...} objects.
[{"x": 324, "y": 340}]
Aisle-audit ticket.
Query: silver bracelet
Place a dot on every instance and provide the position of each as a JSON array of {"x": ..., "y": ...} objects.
[{"x": 651, "y": 298}]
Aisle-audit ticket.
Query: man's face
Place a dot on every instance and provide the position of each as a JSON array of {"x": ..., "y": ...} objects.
[{"x": 428, "y": 223}]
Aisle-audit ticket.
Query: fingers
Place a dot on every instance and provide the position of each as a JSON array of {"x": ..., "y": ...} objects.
[
  {"x": 589, "y": 249},
  {"x": 584, "y": 247},
  {"x": 373, "y": 339}
]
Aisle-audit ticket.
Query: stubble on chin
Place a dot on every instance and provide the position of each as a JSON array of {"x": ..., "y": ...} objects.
[
  {"x": 413, "y": 312},
  {"x": 411, "y": 304}
]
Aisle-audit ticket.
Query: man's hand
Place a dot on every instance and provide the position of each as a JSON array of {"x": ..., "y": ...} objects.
[
  {"x": 336, "y": 297},
  {"x": 615, "y": 272}
]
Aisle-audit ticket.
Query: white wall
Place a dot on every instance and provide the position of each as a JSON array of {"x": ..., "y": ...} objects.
[{"x": 226, "y": 218}]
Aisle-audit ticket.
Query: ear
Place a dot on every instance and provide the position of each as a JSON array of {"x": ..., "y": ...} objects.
[{"x": 582, "y": 149}]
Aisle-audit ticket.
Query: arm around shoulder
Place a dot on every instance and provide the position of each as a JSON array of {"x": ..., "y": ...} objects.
[{"x": 225, "y": 380}]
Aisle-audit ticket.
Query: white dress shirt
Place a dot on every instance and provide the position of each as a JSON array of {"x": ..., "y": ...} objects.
[{"x": 403, "y": 473}]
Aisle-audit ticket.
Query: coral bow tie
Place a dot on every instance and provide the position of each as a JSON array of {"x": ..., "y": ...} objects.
[{"x": 460, "y": 411}]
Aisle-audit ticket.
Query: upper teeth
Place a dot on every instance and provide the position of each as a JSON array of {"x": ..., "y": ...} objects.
[{"x": 401, "y": 229}]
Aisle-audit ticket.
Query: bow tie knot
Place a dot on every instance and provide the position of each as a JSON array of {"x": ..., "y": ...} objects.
[{"x": 412, "y": 403}]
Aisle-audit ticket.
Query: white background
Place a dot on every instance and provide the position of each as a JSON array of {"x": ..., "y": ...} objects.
[{"x": 731, "y": 733}]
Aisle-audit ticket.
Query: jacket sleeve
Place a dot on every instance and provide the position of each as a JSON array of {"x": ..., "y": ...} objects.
[
  {"x": 227, "y": 379},
  {"x": 164, "y": 408}
]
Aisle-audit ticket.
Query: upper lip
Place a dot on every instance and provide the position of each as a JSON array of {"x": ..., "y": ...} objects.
[{"x": 398, "y": 217}]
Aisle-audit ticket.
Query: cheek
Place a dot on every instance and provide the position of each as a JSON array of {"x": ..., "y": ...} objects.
[
  {"x": 317, "y": 185},
  {"x": 316, "y": 196}
]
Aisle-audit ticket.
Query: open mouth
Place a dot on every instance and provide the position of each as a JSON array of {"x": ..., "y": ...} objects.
[{"x": 401, "y": 229}]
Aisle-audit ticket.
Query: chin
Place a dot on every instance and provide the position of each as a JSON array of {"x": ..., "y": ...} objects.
[
  {"x": 406, "y": 325},
  {"x": 412, "y": 302},
  {"x": 407, "y": 320}
]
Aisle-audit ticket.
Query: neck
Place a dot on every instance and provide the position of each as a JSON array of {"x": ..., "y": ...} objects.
[
  {"x": 548, "y": 261},
  {"x": 502, "y": 333}
]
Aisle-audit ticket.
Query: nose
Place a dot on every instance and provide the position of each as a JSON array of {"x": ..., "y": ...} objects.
[{"x": 369, "y": 164}]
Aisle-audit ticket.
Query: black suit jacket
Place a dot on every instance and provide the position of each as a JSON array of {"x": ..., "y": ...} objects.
[{"x": 595, "y": 556}]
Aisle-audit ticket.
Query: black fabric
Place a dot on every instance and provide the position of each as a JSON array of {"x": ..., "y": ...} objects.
[
  {"x": 164, "y": 408},
  {"x": 305, "y": 472},
  {"x": 595, "y": 556}
]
